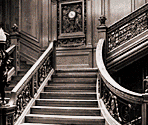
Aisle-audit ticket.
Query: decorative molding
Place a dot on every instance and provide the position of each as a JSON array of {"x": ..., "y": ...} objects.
[
  {"x": 71, "y": 23},
  {"x": 127, "y": 31}
]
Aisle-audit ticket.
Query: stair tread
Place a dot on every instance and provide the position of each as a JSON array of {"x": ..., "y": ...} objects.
[
  {"x": 37, "y": 124},
  {"x": 80, "y": 108},
  {"x": 64, "y": 116},
  {"x": 71, "y": 85},
  {"x": 86, "y": 93},
  {"x": 77, "y": 69},
  {"x": 66, "y": 100}
]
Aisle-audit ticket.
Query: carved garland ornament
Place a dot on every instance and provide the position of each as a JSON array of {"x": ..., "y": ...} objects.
[{"x": 71, "y": 23}]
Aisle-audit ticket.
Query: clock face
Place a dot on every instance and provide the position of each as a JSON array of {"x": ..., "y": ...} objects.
[{"x": 72, "y": 14}]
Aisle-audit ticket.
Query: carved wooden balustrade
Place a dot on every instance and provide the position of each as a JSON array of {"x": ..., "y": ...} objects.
[
  {"x": 124, "y": 106},
  {"x": 128, "y": 27},
  {"x": 28, "y": 86}
]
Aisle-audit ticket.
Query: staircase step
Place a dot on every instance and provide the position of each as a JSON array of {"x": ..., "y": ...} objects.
[
  {"x": 73, "y": 88},
  {"x": 72, "y": 83},
  {"x": 74, "y": 79},
  {"x": 68, "y": 95},
  {"x": 75, "y": 75},
  {"x": 74, "y": 111},
  {"x": 77, "y": 70},
  {"x": 37, "y": 124},
  {"x": 59, "y": 119},
  {"x": 66, "y": 103}
]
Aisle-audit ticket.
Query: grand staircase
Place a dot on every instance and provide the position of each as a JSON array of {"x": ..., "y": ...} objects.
[{"x": 70, "y": 98}]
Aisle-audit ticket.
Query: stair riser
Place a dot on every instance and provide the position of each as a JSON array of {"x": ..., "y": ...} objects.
[
  {"x": 68, "y": 96},
  {"x": 67, "y": 103},
  {"x": 66, "y": 121},
  {"x": 74, "y": 79},
  {"x": 73, "y": 112}
]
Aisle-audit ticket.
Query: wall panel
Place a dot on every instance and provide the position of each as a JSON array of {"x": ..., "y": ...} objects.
[
  {"x": 117, "y": 9},
  {"x": 29, "y": 17},
  {"x": 139, "y": 3}
]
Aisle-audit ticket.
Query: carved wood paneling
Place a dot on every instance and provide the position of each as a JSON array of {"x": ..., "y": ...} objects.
[{"x": 71, "y": 23}]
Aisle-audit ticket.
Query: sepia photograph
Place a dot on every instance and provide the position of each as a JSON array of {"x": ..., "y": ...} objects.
[{"x": 73, "y": 62}]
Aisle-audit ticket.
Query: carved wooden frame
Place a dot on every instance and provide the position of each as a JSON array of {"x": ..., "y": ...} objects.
[{"x": 73, "y": 34}]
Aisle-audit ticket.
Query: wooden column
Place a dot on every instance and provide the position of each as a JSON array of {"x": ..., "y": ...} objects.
[
  {"x": 144, "y": 109},
  {"x": 14, "y": 36},
  {"x": 89, "y": 23},
  {"x": 102, "y": 30},
  {"x": 54, "y": 20}
]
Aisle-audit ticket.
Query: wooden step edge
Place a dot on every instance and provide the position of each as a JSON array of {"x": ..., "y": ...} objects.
[
  {"x": 65, "y": 117},
  {"x": 67, "y": 100},
  {"x": 82, "y": 93},
  {"x": 78, "y": 70},
  {"x": 70, "y": 86},
  {"x": 75, "y": 108},
  {"x": 37, "y": 124}
]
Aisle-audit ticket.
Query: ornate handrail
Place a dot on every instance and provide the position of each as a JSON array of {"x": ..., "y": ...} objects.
[
  {"x": 128, "y": 27},
  {"x": 124, "y": 105},
  {"x": 28, "y": 86}
]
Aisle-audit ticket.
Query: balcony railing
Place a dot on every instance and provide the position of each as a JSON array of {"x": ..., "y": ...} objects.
[
  {"x": 128, "y": 27},
  {"x": 126, "y": 107}
]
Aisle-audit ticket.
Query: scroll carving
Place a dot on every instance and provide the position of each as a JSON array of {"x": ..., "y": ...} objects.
[
  {"x": 71, "y": 23},
  {"x": 128, "y": 31}
]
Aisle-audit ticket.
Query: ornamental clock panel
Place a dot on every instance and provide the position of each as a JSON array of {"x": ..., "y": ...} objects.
[{"x": 71, "y": 23}]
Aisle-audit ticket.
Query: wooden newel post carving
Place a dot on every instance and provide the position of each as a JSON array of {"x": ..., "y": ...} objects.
[
  {"x": 144, "y": 109},
  {"x": 102, "y": 30},
  {"x": 6, "y": 111},
  {"x": 14, "y": 36},
  {"x": 145, "y": 103},
  {"x": 7, "y": 114}
]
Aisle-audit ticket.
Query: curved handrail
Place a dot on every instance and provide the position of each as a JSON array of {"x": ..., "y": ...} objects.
[
  {"x": 118, "y": 100},
  {"x": 110, "y": 82},
  {"x": 27, "y": 77}
]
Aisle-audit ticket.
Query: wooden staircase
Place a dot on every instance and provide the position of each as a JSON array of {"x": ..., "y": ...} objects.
[
  {"x": 70, "y": 98},
  {"x": 24, "y": 67}
]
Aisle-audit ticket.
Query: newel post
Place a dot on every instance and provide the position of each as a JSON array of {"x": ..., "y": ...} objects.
[
  {"x": 54, "y": 55},
  {"x": 102, "y": 30},
  {"x": 144, "y": 109},
  {"x": 14, "y": 37},
  {"x": 145, "y": 103},
  {"x": 7, "y": 114}
]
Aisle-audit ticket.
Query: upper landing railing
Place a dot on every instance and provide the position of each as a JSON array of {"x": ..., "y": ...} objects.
[
  {"x": 126, "y": 107},
  {"x": 128, "y": 27}
]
